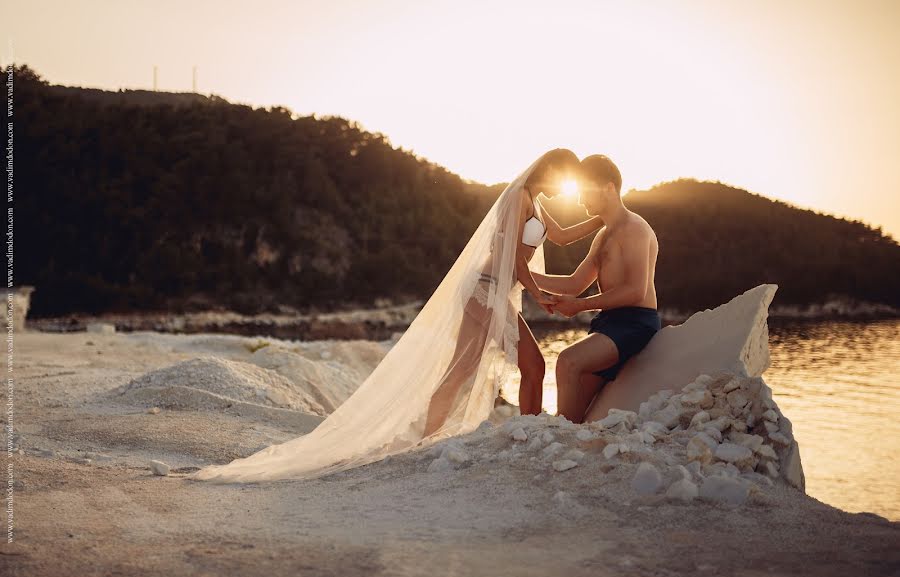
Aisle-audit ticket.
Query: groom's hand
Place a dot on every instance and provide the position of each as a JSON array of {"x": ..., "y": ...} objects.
[
  {"x": 547, "y": 301},
  {"x": 567, "y": 306}
]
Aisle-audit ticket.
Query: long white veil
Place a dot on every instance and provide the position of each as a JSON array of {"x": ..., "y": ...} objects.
[{"x": 387, "y": 413}]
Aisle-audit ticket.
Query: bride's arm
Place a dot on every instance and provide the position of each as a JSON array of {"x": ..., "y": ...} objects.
[
  {"x": 563, "y": 236},
  {"x": 523, "y": 273}
]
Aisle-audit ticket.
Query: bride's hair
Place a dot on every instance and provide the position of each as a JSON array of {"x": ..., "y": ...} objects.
[{"x": 558, "y": 159}]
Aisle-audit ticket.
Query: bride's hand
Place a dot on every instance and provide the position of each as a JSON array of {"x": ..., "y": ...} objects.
[{"x": 546, "y": 300}]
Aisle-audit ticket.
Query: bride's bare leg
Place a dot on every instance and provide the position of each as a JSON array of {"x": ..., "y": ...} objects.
[
  {"x": 469, "y": 347},
  {"x": 532, "y": 367}
]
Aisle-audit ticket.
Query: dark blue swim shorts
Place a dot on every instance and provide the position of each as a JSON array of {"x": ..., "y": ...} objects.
[{"x": 630, "y": 328}]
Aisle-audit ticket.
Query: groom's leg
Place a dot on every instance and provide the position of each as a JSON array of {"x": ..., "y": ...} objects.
[{"x": 593, "y": 353}]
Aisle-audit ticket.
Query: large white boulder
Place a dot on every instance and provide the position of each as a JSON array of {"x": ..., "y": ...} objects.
[{"x": 732, "y": 337}]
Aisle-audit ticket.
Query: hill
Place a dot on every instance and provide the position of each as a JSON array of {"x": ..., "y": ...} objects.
[{"x": 128, "y": 201}]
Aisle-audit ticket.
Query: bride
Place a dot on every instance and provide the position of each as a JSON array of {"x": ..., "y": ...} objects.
[{"x": 441, "y": 378}]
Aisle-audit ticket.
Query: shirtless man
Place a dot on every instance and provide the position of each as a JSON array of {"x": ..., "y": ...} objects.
[{"x": 622, "y": 260}]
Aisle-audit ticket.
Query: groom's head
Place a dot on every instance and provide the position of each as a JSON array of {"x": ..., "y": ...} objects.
[{"x": 601, "y": 184}]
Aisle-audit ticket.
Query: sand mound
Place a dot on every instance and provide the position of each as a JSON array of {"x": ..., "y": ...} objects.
[
  {"x": 214, "y": 383},
  {"x": 721, "y": 439},
  {"x": 328, "y": 372}
]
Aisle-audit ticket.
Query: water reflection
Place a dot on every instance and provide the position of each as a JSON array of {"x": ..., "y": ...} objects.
[{"x": 839, "y": 384}]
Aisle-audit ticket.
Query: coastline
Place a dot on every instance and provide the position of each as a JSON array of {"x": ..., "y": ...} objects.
[
  {"x": 87, "y": 500},
  {"x": 382, "y": 322}
]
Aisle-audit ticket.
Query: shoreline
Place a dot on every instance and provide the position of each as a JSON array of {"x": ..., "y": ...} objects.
[{"x": 380, "y": 323}]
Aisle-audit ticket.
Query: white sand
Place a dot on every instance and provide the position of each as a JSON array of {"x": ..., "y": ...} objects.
[{"x": 87, "y": 502}]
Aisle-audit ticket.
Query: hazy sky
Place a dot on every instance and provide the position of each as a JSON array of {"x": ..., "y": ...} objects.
[{"x": 796, "y": 100}]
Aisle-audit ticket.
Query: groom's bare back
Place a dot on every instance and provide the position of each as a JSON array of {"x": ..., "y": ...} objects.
[{"x": 626, "y": 249}]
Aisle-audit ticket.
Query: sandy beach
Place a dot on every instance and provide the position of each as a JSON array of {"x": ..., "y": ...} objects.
[{"x": 87, "y": 503}]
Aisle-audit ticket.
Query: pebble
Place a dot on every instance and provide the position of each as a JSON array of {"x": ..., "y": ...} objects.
[
  {"x": 552, "y": 449},
  {"x": 733, "y": 453},
  {"x": 699, "y": 418},
  {"x": 440, "y": 464},
  {"x": 779, "y": 438},
  {"x": 647, "y": 479},
  {"x": 159, "y": 468},
  {"x": 153, "y": 410},
  {"x": 564, "y": 465},
  {"x": 519, "y": 434},
  {"x": 683, "y": 489},
  {"x": 573, "y": 455},
  {"x": 724, "y": 489}
]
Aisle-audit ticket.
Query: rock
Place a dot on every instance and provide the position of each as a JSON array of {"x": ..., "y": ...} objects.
[
  {"x": 733, "y": 453},
  {"x": 738, "y": 426},
  {"x": 585, "y": 435},
  {"x": 573, "y": 455},
  {"x": 699, "y": 418},
  {"x": 779, "y": 438},
  {"x": 724, "y": 489},
  {"x": 713, "y": 433},
  {"x": 655, "y": 428},
  {"x": 731, "y": 338},
  {"x": 694, "y": 468},
  {"x": 770, "y": 427},
  {"x": 771, "y": 469},
  {"x": 455, "y": 455},
  {"x": 766, "y": 451},
  {"x": 552, "y": 449},
  {"x": 720, "y": 423},
  {"x": 697, "y": 450},
  {"x": 737, "y": 399},
  {"x": 440, "y": 464},
  {"x": 752, "y": 442},
  {"x": 791, "y": 467},
  {"x": 770, "y": 415},
  {"x": 683, "y": 489},
  {"x": 153, "y": 410},
  {"x": 647, "y": 479},
  {"x": 564, "y": 465},
  {"x": 547, "y": 437},
  {"x": 757, "y": 478},
  {"x": 610, "y": 450},
  {"x": 617, "y": 416},
  {"x": 101, "y": 328},
  {"x": 731, "y": 385},
  {"x": 159, "y": 468},
  {"x": 668, "y": 416},
  {"x": 519, "y": 434},
  {"x": 701, "y": 397}
]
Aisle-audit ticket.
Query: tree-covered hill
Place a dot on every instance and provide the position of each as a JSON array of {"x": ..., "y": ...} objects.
[{"x": 133, "y": 201}]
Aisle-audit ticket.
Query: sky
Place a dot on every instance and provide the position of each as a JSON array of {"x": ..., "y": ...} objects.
[{"x": 794, "y": 100}]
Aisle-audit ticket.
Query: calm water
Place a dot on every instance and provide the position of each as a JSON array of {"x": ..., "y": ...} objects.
[{"x": 839, "y": 384}]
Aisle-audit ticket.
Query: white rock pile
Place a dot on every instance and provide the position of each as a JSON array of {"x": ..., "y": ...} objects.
[{"x": 721, "y": 438}]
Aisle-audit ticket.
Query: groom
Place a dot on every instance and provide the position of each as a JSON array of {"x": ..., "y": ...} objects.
[{"x": 622, "y": 260}]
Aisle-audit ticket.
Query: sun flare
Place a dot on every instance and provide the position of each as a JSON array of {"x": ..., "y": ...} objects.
[{"x": 569, "y": 188}]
